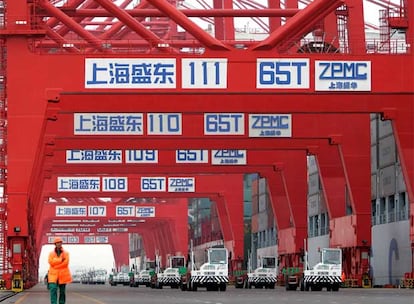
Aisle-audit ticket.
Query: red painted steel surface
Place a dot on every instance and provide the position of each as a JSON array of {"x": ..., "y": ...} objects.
[
  {"x": 171, "y": 213},
  {"x": 228, "y": 189},
  {"x": 52, "y": 55},
  {"x": 334, "y": 127}
]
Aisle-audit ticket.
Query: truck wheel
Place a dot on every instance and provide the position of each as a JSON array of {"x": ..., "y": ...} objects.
[
  {"x": 223, "y": 287},
  {"x": 328, "y": 288}
]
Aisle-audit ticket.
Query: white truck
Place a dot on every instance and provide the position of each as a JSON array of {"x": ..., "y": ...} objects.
[
  {"x": 143, "y": 278},
  {"x": 327, "y": 273},
  {"x": 213, "y": 275},
  {"x": 120, "y": 278},
  {"x": 99, "y": 276},
  {"x": 172, "y": 275},
  {"x": 263, "y": 276}
]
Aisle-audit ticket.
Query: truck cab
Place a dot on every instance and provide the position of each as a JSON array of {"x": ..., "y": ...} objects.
[
  {"x": 265, "y": 275},
  {"x": 327, "y": 273},
  {"x": 172, "y": 275},
  {"x": 214, "y": 274}
]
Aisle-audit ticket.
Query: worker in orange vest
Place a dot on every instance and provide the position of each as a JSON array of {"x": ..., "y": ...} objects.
[{"x": 59, "y": 274}]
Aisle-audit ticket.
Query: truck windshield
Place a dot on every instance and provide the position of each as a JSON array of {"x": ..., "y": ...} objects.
[
  {"x": 218, "y": 256},
  {"x": 177, "y": 262},
  {"x": 269, "y": 262},
  {"x": 331, "y": 256}
]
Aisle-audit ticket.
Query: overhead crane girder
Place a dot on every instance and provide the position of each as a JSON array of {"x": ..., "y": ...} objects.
[
  {"x": 122, "y": 24},
  {"x": 229, "y": 186},
  {"x": 340, "y": 135},
  {"x": 231, "y": 103},
  {"x": 292, "y": 103},
  {"x": 284, "y": 209},
  {"x": 163, "y": 236},
  {"x": 334, "y": 126},
  {"x": 172, "y": 213},
  {"x": 335, "y": 138}
]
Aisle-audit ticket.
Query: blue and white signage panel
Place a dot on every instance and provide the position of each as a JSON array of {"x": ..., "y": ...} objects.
[
  {"x": 228, "y": 157},
  {"x": 130, "y": 73},
  {"x": 116, "y": 184},
  {"x": 141, "y": 156},
  {"x": 282, "y": 73},
  {"x": 126, "y": 210},
  {"x": 205, "y": 73},
  {"x": 270, "y": 125},
  {"x": 73, "y": 211},
  {"x": 108, "y": 124},
  {"x": 89, "y": 240},
  {"x": 51, "y": 239},
  {"x": 145, "y": 211},
  {"x": 62, "y": 229},
  {"x": 191, "y": 156},
  {"x": 164, "y": 124},
  {"x": 83, "y": 230},
  {"x": 181, "y": 184},
  {"x": 78, "y": 184},
  {"x": 72, "y": 239},
  {"x": 342, "y": 76},
  {"x": 100, "y": 239},
  {"x": 224, "y": 124},
  {"x": 97, "y": 211},
  {"x": 153, "y": 184},
  {"x": 119, "y": 229},
  {"x": 103, "y": 229},
  {"x": 93, "y": 156}
]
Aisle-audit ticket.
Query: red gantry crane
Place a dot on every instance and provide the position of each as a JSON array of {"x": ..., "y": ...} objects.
[{"x": 162, "y": 57}]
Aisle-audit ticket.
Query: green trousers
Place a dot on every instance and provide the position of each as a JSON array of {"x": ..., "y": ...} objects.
[{"x": 53, "y": 289}]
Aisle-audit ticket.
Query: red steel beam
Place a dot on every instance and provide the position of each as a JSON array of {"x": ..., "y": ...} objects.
[
  {"x": 133, "y": 24},
  {"x": 53, "y": 21},
  {"x": 98, "y": 43},
  {"x": 188, "y": 25},
  {"x": 177, "y": 226},
  {"x": 229, "y": 186},
  {"x": 223, "y": 12},
  {"x": 299, "y": 24},
  {"x": 120, "y": 247}
]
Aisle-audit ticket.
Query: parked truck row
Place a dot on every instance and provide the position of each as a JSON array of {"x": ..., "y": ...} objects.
[{"x": 214, "y": 273}]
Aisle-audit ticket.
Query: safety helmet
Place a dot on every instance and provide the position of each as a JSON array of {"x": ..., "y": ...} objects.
[{"x": 57, "y": 240}]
